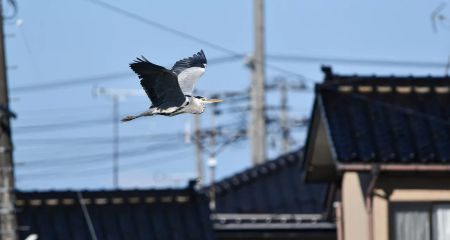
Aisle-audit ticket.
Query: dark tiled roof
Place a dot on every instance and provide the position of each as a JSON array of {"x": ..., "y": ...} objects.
[
  {"x": 387, "y": 119},
  {"x": 130, "y": 214},
  {"x": 273, "y": 187}
]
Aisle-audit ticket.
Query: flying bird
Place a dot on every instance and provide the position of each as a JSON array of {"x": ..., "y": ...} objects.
[{"x": 170, "y": 91}]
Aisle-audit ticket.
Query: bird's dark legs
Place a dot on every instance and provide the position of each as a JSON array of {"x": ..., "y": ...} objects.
[
  {"x": 132, "y": 117},
  {"x": 129, "y": 118}
]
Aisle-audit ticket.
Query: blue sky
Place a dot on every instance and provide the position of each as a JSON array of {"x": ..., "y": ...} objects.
[{"x": 54, "y": 41}]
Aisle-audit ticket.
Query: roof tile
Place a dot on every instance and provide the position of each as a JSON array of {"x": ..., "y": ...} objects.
[{"x": 405, "y": 120}]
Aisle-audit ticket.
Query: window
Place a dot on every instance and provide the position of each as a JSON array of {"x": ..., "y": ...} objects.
[
  {"x": 441, "y": 222},
  {"x": 420, "y": 221}
]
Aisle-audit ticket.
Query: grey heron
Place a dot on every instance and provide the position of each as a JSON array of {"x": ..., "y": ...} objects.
[{"x": 170, "y": 91}]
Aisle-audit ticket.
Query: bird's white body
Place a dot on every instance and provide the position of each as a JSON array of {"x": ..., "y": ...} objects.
[{"x": 191, "y": 105}]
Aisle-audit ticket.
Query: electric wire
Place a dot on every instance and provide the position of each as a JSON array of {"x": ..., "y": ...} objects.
[
  {"x": 391, "y": 106},
  {"x": 61, "y": 126},
  {"x": 82, "y": 173},
  {"x": 98, "y": 157},
  {"x": 70, "y": 82},
  {"x": 15, "y": 7},
  {"x": 356, "y": 61},
  {"x": 62, "y": 83},
  {"x": 29, "y": 51},
  {"x": 95, "y": 139},
  {"x": 87, "y": 216},
  {"x": 184, "y": 35}
]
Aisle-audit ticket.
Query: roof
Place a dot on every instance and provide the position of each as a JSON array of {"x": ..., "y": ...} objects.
[
  {"x": 273, "y": 226},
  {"x": 275, "y": 186},
  {"x": 118, "y": 214},
  {"x": 381, "y": 119}
]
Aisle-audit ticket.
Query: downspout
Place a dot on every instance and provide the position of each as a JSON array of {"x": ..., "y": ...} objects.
[
  {"x": 369, "y": 199},
  {"x": 339, "y": 221},
  {"x": 330, "y": 200}
]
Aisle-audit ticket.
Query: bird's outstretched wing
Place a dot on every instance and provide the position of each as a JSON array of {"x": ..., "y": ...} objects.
[
  {"x": 160, "y": 84},
  {"x": 189, "y": 70}
]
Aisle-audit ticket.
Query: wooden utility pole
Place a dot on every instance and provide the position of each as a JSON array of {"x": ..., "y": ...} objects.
[
  {"x": 198, "y": 150},
  {"x": 115, "y": 118},
  {"x": 284, "y": 118},
  {"x": 8, "y": 223},
  {"x": 212, "y": 161},
  {"x": 116, "y": 95},
  {"x": 258, "y": 120}
]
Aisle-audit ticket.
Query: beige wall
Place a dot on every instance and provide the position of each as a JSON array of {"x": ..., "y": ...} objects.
[
  {"x": 404, "y": 189},
  {"x": 380, "y": 215},
  {"x": 388, "y": 189},
  {"x": 353, "y": 206}
]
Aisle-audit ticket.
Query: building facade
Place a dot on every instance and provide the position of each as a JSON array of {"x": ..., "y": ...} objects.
[{"x": 384, "y": 145}]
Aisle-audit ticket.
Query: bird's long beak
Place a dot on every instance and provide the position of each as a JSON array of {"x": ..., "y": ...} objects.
[{"x": 212, "y": 100}]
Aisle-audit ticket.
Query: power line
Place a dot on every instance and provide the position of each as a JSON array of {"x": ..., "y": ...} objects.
[
  {"x": 232, "y": 53},
  {"x": 59, "y": 152},
  {"x": 163, "y": 27},
  {"x": 60, "y": 126},
  {"x": 391, "y": 106},
  {"x": 87, "y": 216},
  {"x": 28, "y": 48},
  {"x": 96, "y": 158},
  {"x": 57, "y": 84},
  {"x": 71, "y": 82},
  {"x": 15, "y": 7},
  {"x": 179, "y": 155},
  {"x": 356, "y": 61},
  {"x": 63, "y": 110},
  {"x": 438, "y": 17},
  {"x": 93, "y": 140}
]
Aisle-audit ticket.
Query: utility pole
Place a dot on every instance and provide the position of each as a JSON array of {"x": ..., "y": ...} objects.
[
  {"x": 258, "y": 120},
  {"x": 116, "y": 95},
  {"x": 212, "y": 161},
  {"x": 284, "y": 118},
  {"x": 8, "y": 222},
  {"x": 115, "y": 118},
  {"x": 447, "y": 67},
  {"x": 198, "y": 149}
]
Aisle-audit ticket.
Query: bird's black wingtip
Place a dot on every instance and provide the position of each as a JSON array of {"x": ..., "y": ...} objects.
[
  {"x": 141, "y": 59},
  {"x": 201, "y": 56},
  {"x": 138, "y": 61}
]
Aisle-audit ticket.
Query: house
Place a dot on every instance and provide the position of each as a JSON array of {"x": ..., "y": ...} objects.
[
  {"x": 271, "y": 201},
  {"x": 383, "y": 143},
  {"x": 114, "y": 215}
]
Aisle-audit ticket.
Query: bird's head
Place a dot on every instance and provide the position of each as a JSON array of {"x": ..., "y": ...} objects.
[{"x": 204, "y": 100}]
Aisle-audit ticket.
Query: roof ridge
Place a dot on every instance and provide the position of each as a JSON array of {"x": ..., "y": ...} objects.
[{"x": 250, "y": 174}]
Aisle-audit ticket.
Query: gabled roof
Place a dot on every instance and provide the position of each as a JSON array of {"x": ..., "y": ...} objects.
[
  {"x": 379, "y": 119},
  {"x": 119, "y": 214},
  {"x": 275, "y": 186}
]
